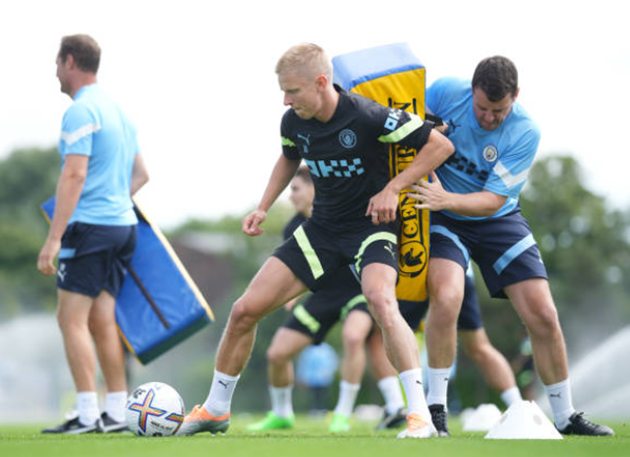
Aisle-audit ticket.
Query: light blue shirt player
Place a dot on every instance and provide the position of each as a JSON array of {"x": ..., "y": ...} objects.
[
  {"x": 494, "y": 160},
  {"x": 95, "y": 126}
]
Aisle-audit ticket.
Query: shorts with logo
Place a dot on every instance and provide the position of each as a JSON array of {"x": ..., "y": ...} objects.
[
  {"x": 503, "y": 248},
  {"x": 312, "y": 253},
  {"x": 94, "y": 258},
  {"x": 339, "y": 295}
]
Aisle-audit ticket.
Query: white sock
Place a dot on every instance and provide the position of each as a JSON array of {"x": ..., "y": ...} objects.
[
  {"x": 115, "y": 405},
  {"x": 438, "y": 385},
  {"x": 87, "y": 404},
  {"x": 561, "y": 403},
  {"x": 390, "y": 389},
  {"x": 511, "y": 395},
  {"x": 412, "y": 383},
  {"x": 220, "y": 397},
  {"x": 347, "y": 397},
  {"x": 281, "y": 403}
]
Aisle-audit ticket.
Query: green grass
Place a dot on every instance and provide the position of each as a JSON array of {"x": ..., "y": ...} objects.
[{"x": 309, "y": 438}]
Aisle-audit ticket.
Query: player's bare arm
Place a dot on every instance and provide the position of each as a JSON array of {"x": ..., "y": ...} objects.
[
  {"x": 68, "y": 192},
  {"x": 384, "y": 205},
  {"x": 434, "y": 197},
  {"x": 139, "y": 174},
  {"x": 281, "y": 176}
]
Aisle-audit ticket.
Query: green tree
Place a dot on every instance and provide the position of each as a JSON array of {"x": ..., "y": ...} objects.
[
  {"x": 586, "y": 250},
  {"x": 585, "y": 247},
  {"x": 27, "y": 178}
]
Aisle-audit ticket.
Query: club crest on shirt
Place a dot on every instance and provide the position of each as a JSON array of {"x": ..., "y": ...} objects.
[
  {"x": 348, "y": 138},
  {"x": 490, "y": 153}
]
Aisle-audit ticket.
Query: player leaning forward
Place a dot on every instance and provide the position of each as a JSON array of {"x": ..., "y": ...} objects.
[
  {"x": 343, "y": 138},
  {"x": 476, "y": 216}
]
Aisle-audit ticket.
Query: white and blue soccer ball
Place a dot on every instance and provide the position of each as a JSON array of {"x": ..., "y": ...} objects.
[{"x": 154, "y": 409}]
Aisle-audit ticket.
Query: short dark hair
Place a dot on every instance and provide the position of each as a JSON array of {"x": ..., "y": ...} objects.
[
  {"x": 84, "y": 49},
  {"x": 305, "y": 173},
  {"x": 497, "y": 77}
]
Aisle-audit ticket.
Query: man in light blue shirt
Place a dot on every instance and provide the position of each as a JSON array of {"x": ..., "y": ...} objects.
[
  {"x": 476, "y": 215},
  {"x": 93, "y": 232}
]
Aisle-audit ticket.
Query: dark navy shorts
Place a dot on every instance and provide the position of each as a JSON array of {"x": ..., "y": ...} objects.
[
  {"x": 94, "y": 258},
  {"x": 313, "y": 252},
  {"x": 469, "y": 316},
  {"x": 340, "y": 294},
  {"x": 503, "y": 248}
]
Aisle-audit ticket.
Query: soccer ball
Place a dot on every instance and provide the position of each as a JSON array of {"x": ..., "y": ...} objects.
[{"x": 154, "y": 409}]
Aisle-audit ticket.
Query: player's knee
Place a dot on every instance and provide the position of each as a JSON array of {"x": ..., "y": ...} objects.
[
  {"x": 353, "y": 340},
  {"x": 446, "y": 299},
  {"x": 95, "y": 326},
  {"x": 68, "y": 323},
  {"x": 478, "y": 352},
  {"x": 443, "y": 313},
  {"x": 276, "y": 355},
  {"x": 243, "y": 316},
  {"x": 543, "y": 320}
]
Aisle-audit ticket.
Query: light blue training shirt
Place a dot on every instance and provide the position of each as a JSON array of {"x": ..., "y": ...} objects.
[
  {"x": 494, "y": 160},
  {"x": 95, "y": 126}
]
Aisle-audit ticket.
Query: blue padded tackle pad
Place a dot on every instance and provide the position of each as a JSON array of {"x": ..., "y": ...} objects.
[{"x": 159, "y": 305}]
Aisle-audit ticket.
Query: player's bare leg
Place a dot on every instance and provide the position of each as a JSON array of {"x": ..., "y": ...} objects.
[
  {"x": 273, "y": 286},
  {"x": 394, "y": 414},
  {"x": 446, "y": 289},
  {"x": 73, "y": 315},
  {"x": 111, "y": 357},
  {"x": 356, "y": 328},
  {"x": 534, "y": 304},
  {"x": 285, "y": 346},
  {"x": 494, "y": 366},
  {"x": 378, "y": 284},
  {"x": 109, "y": 348}
]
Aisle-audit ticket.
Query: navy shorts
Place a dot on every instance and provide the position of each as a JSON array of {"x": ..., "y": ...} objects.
[
  {"x": 340, "y": 293},
  {"x": 469, "y": 316},
  {"x": 313, "y": 252},
  {"x": 503, "y": 248},
  {"x": 94, "y": 258}
]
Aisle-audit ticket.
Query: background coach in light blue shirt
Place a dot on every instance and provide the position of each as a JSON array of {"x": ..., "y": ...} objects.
[{"x": 93, "y": 231}]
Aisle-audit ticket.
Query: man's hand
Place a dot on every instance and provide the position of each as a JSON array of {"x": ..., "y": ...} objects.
[
  {"x": 383, "y": 207},
  {"x": 47, "y": 255},
  {"x": 251, "y": 223},
  {"x": 431, "y": 194}
]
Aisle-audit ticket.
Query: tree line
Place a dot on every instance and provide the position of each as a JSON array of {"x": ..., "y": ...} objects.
[{"x": 584, "y": 242}]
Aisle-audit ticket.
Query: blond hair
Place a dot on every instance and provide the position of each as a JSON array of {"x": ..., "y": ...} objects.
[{"x": 308, "y": 59}]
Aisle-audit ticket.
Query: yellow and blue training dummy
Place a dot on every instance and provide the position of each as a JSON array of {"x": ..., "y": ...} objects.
[{"x": 393, "y": 76}]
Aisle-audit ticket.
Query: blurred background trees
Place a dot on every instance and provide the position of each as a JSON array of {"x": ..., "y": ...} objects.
[{"x": 585, "y": 245}]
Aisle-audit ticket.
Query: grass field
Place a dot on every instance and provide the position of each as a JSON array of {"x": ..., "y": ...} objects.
[{"x": 308, "y": 439}]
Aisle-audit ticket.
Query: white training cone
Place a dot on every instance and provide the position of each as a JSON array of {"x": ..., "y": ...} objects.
[
  {"x": 524, "y": 420},
  {"x": 482, "y": 418}
]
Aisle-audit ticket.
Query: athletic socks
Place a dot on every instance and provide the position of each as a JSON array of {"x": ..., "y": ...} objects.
[
  {"x": 220, "y": 397},
  {"x": 347, "y": 398},
  {"x": 416, "y": 402},
  {"x": 87, "y": 404},
  {"x": 438, "y": 385},
  {"x": 561, "y": 402},
  {"x": 390, "y": 389},
  {"x": 281, "y": 403},
  {"x": 511, "y": 395},
  {"x": 115, "y": 405}
]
